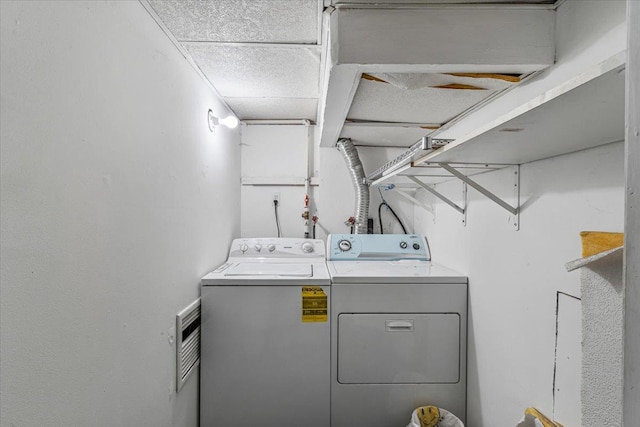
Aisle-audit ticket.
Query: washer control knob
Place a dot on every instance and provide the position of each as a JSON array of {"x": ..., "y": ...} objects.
[
  {"x": 258, "y": 247},
  {"x": 344, "y": 245},
  {"x": 416, "y": 246},
  {"x": 271, "y": 247},
  {"x": 244, "y": 247},
  {"x": 403, "y": 245},
  {"x": 307, "y": 247}
]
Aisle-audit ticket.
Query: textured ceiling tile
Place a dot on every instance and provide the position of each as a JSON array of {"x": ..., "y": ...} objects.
[
  {"x": 384, "y": 136},
  {"x": 256, "y": 71},
  {"x": 266, "y": 21},
  {"x": 274, "y": 108},
  {"x": 383, "y": 102}
]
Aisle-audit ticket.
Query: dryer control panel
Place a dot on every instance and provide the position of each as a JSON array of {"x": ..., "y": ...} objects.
[{"x": 377, "y": 247}]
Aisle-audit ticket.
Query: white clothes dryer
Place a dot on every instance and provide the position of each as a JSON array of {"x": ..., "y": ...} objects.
[
  {"x": 398, "y": 331},
  {"x": 265, "y": 336}
]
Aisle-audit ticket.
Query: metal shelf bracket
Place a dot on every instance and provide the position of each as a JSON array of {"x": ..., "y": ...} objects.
[
  {"x": 437, "y": 194},
  {"x": 515, "y": 211}
]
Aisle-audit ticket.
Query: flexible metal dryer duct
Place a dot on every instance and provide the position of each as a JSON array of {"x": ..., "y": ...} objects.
[{"x": 359, "y": 183}]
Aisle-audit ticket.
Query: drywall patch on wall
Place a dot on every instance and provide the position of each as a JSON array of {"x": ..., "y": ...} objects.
[{"x": 116, "y": 199}]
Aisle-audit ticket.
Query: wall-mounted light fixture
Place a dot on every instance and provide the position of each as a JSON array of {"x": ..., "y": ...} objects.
[{"x": 229, "y": 121}]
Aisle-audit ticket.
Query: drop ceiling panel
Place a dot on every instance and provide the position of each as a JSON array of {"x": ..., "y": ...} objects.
[
  {"x": 274, "y": 108},
  {"x": 376, "y": 101},
  {"x": 384, "y": 136},
  {"x": 263, "y": 21},
  {"x": 257, "y": 71}
]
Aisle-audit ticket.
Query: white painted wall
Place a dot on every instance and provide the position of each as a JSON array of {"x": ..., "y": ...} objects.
[
  {"x": 116, "y": 199},
  {"x": 514, "y": 275},
  {"x": 272, "y": 156}
]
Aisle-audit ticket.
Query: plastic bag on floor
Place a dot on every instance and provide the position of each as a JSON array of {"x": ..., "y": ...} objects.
[{"x": 432, "y": 416}]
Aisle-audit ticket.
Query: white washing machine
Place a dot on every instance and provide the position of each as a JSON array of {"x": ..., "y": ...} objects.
[
  {"x": 265, "y": 336},
  {"x": 399, "y": 331}
]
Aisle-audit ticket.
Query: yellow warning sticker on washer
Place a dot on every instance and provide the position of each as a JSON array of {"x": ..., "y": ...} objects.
[{"x": 314, "y": 304}]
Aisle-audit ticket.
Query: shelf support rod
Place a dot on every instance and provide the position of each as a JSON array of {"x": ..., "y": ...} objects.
[
  {"x": 479, "y": 188},
  {"x": 437, "y": 194}
]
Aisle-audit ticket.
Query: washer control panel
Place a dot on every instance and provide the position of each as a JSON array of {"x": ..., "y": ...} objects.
[
  {"x": 379, "y": 247},
  {"x": 277, "y": 248}
]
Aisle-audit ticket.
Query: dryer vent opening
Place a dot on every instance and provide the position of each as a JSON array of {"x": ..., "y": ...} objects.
[
  {"x": 356, "y": 170},
  {"x": 188, "y": 342}
]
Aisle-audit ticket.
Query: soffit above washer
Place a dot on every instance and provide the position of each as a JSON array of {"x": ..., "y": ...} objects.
[
  {"x": 418, "y": 53},
  {"x": 264, "y": 21}
]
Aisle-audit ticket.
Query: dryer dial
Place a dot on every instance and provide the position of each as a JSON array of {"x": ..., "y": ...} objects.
[
  {"x": 307, "y": 247},
  {"x": 344, "y": 245}
]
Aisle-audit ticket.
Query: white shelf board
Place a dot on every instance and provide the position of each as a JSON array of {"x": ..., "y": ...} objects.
[{"x": 583, "y": 113}]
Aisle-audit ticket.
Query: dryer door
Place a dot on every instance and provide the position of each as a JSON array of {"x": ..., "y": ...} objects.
[{"x": 407, "y": 348}]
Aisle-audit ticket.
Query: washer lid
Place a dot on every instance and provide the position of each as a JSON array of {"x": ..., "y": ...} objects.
[
  {"x": 289, "y": 272},
  {"x": 270, "y": 269}
]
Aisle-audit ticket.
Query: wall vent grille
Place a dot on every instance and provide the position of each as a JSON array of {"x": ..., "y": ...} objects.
[{"x": 188, "y": 342}]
